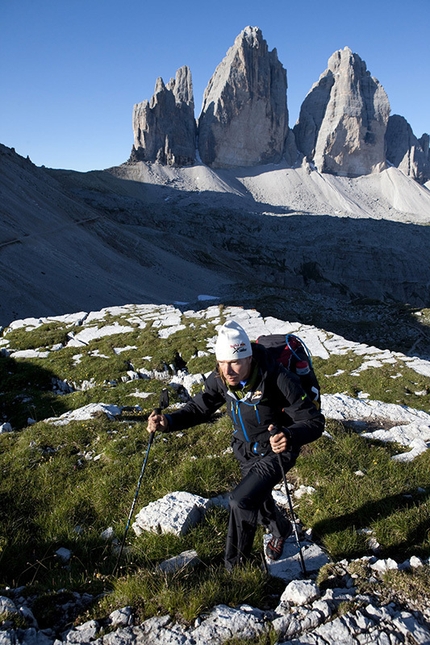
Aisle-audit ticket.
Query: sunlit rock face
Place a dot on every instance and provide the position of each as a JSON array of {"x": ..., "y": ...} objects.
[
  {"x": 244, "y": 119},
  {"x": 343, "y": 119}
]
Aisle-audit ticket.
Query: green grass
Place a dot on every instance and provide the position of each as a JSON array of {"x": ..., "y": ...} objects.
[
  {"x": 414, "y": 584},
  {"x": 63, "y": 485},
  {"x": 188, "y": 593},
  {"x": 392, "y": 499}
]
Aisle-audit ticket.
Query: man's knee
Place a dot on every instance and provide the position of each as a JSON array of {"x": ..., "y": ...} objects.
[{"x": 241, "y": 502}]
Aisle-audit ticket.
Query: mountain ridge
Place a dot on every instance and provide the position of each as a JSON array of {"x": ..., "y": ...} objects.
[{"x": 344, "y": 126}]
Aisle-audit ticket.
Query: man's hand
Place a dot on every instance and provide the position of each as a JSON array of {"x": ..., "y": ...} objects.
[
  {"x": 157, "y": 422},
  {"x": 279, "y": 441}
]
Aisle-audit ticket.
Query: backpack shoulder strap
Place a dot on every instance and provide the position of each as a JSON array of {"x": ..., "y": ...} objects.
[{"x": 289, "y": 338}]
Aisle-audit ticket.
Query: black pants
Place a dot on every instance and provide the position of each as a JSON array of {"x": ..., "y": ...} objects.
[{"x": 251, "y": 502}]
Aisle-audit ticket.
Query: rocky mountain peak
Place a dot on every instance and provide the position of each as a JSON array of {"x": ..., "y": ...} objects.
[
  {"x": 343, "y": 119},
  {"x": 344, "y": 126},
  {"x": 164, "y": 127},
  {"x": 182, "y": 87},
  {"x": 407, "y": 152},
  {"x": 253, "y": 37},
  {"x": 348, "y": 62},
  {"x": 247, "y": 94}
]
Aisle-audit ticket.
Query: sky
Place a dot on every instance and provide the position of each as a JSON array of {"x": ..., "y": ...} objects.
[{"x": 72, "y": 70}]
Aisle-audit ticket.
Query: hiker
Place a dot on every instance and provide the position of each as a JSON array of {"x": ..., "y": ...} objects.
[{"x": 261, "y": 396}]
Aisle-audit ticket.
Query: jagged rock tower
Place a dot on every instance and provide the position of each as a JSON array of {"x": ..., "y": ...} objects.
[
  {"x": 407, "y": 152},
  {"x": 344, "y": 126},
  {"x": 164, "y": 128},
  {"x": 244, "y": 119},
  {"x": 343, "y": 119}
]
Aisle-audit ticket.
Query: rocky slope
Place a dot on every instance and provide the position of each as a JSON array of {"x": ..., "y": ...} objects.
[
  {"x": 146, "y": 232},
  {"x": 58, "y": 253}
]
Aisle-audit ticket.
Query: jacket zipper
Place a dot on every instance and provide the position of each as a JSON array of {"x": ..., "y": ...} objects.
[{"x": 237, "y": 416}]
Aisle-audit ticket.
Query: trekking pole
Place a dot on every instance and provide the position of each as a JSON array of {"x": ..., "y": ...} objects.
[
  {"x": 290, "y": 505},
  {"x": 164, "y": 402}
]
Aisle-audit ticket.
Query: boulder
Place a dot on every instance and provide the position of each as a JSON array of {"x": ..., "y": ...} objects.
[
  {"x": 405, "y": 151},
  {"x": 244, "y": 118},
  {"x": 174, "y": 513},
  {"x": 301, "y": 592},
  {"x": 7, "y": 606},
  {"x": 343, "y": 119},
  {"x": 227, "y": 624},
  {"x": 186, "y": 559},
  {"x": 164, "y": 128}
]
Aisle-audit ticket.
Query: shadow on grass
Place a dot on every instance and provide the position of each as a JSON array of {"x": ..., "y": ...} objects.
[
  {"x": 400, "y": 542},
  {"x": 38, "y": 562},
  {"x": 26, "y": 391}
]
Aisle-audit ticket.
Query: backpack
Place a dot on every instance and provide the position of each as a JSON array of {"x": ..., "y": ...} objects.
[{"x": 292, "y": 353}]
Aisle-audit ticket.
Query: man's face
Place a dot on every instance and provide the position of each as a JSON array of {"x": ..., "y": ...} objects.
[{"x": 235, "y": 371}]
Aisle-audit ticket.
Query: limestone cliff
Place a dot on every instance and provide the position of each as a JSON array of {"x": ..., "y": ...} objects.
[
  {"x": 244, "y": 119},
  {"x": 343, "y": 128},
  {"x": 164, "y": 128},
  {"x": 407, "y": 152},
  {"x": 343, "y": 119}
]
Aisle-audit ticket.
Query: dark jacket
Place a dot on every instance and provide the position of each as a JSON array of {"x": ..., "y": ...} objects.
[{"x": 277, "y": 398}]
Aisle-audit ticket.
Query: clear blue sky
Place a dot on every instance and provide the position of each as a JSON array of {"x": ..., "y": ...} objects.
[{"x": 71, "y": 70}]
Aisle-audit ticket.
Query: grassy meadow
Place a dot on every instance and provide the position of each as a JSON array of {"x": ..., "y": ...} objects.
[{"x": 64, "y": 485}]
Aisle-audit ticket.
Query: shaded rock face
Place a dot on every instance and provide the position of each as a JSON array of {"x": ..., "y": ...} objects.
[
  {"x": 424, "y": 142},
  {"x": 405, "y": 151},
  {"x": 343, "y": 119},
  {"x": 164, "y": 128},
  {"x": 244, "y": 119}
]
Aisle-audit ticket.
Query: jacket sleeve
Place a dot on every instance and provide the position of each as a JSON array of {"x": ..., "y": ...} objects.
[
  {"x": 201, "y": 406},
  {"x": 303, "y": 422}
]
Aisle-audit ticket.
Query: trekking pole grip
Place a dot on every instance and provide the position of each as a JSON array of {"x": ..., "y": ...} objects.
[
  {"x": 159, "y": 412},
  {"x": 275, "y": 431}
]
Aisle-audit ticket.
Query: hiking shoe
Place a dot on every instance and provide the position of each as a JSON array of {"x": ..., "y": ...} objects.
[{"x": 275, "y": 545}]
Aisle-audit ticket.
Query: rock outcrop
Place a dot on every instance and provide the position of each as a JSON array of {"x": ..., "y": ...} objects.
[
  {"x": 244, "y": 119},
  {"x": 343, "y": 129},
  {"x": 343, "y": 119},
  {"x": 407, "y": 152},
  {"x": 164, "y": 128},
  {"x": 337, "y": 612}
]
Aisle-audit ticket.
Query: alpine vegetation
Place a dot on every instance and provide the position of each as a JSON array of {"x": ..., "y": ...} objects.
[{"x": 76, "y": 392}]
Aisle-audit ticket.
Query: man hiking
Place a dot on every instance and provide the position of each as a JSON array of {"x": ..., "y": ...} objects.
[{"x": 271, "y": 416}]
